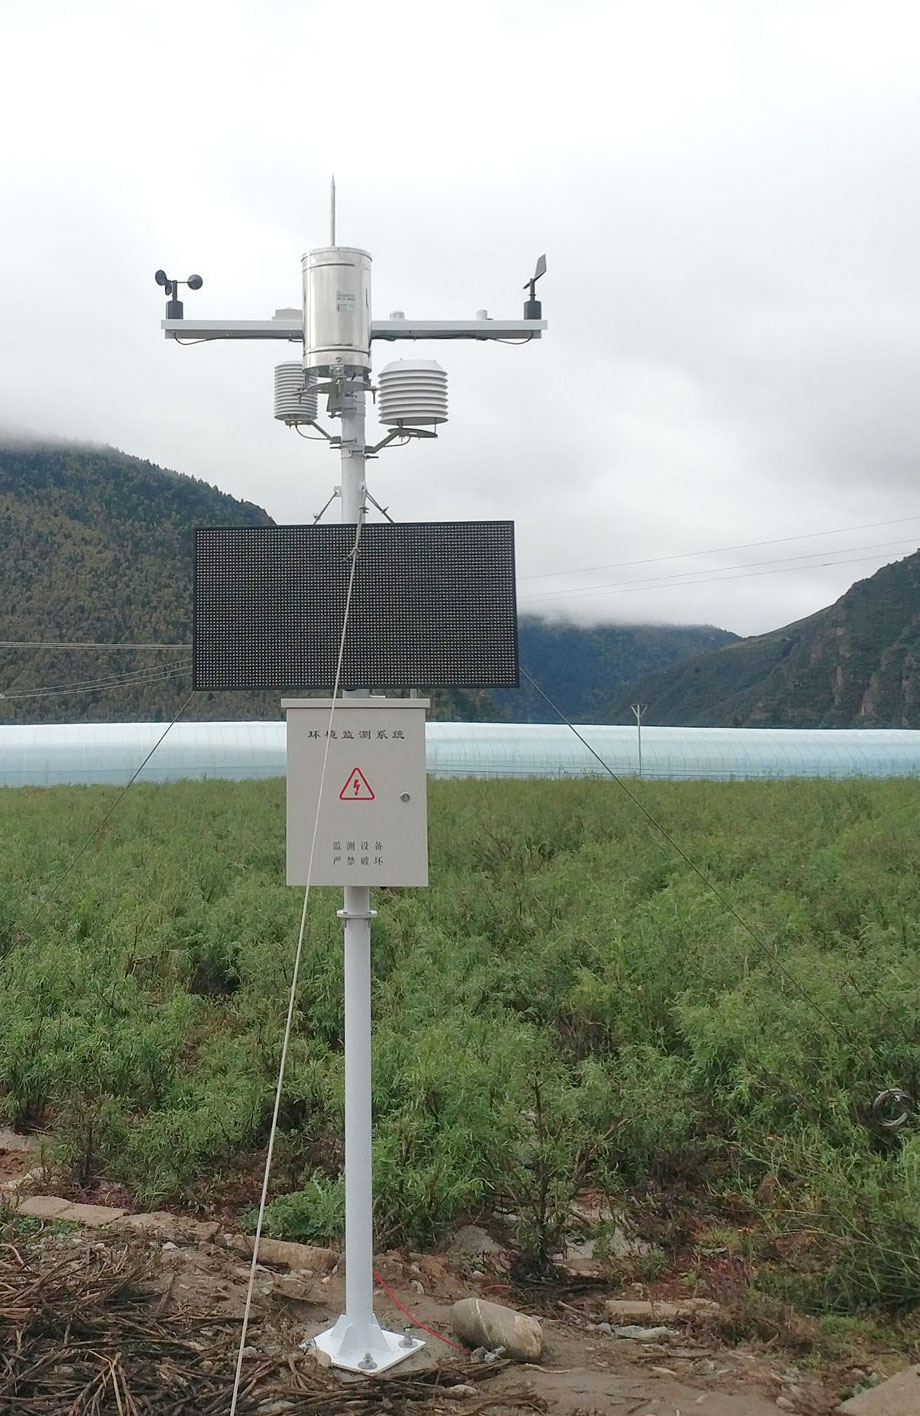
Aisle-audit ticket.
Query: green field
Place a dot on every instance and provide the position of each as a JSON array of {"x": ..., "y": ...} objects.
[{"x": 568, "y": 1007}]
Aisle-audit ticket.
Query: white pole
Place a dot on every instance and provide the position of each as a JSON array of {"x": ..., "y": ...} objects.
[
  {"x": 354, "y": 458},
  {"x": 357, "y": 914},
  {"x": 638, "y": 710},
  {"x": 359, "y": 1197},
  {"x": 356, "y": 1340}
]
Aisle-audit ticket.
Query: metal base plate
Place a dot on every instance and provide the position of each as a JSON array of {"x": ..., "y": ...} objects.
[{"x": 362, "y": 1345}]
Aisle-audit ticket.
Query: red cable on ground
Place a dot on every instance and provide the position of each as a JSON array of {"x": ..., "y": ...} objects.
[{"x": 430, "y": 1331}]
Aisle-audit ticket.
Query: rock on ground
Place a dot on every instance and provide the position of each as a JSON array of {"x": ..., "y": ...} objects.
[
  {"x": 638, "y": 1310},
  {"x": 899, "y": 1396},
  {"x": 492, "y": 1325}
]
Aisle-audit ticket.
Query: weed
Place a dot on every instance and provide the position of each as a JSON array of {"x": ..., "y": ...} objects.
[
  {"x": 312, "y": 1215},
  {"x": 568, "y": 1005}
]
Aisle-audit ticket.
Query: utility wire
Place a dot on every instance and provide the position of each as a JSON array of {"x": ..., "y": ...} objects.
[
  {"x": 718, "y": 550},
  {"x": 860, "y": 988},
  {"x": 292, "y": 997},
  {"x": 688, "y": 860},
  {"x": 139, "y": 676},
  {"x": 712, "y": 575},
  {"x": 85, "y": 644},
  {"x": 101, "y": 823},
  {"x": 743, "y": 565}
]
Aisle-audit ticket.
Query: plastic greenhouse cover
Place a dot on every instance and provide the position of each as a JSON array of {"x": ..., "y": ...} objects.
[{"x": 48, "y": 755}]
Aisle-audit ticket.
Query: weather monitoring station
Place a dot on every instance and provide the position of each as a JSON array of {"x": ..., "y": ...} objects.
[{"x": 347, "y": 610}]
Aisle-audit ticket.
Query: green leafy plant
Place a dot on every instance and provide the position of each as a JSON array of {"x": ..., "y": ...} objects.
[
  {"x": 314, "y": 1214},
  {"x": 567, "y": 1007}
]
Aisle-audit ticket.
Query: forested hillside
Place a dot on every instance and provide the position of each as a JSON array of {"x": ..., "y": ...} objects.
[
  {"x": 855, "y": 664},
  {"x": 97, "y": 547},
  {"x": 585, "y": 668}
]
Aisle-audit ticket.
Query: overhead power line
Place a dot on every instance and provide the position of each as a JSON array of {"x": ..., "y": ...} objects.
[
  {"x": 710, "y": 576},
  {"x": 676, "y": 580},
  {"x": 84, "y": 644},
  {"x": 718, "y": 550},
  {"x": 143, "y": 677}
]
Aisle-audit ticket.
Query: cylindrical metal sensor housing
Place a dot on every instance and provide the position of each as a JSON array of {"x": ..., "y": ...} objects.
[{"x": 336, "y": 309}]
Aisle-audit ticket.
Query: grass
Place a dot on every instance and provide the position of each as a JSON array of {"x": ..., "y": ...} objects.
[{"x": 567, "y": 1006}]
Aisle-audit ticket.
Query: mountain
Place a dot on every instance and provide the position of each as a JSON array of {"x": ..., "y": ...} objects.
[
  {"x": 584, "y": 668},
  {"x": 98, "y": 546},
  {"x": 854, "y": 664}
]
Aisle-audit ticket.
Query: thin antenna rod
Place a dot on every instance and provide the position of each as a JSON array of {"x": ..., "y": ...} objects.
[{"x": 332, "y": 211}]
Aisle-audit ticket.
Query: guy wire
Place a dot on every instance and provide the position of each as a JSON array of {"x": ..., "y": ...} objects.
[
  {"x": 99, "y": 824},
  {"x": 292, "y": 997},
  {"x": 710, "y": 884}
]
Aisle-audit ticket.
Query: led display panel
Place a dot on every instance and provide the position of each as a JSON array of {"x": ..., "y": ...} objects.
[{"x": 433, "y": 605}]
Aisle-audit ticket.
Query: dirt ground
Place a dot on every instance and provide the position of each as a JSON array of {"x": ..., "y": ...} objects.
[
  {"x": 190, "y": 1272},
  {"x": 585, "y": 1370}
]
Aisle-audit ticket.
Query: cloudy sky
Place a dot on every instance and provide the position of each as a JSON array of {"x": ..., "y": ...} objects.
[{"x": 720, "y": 425}]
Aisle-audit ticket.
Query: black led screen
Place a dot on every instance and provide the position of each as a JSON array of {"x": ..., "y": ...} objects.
[{"x": 433, "y": 605}]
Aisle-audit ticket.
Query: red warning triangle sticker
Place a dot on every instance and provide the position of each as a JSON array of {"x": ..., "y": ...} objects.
[{"x": 356, "y": 788}]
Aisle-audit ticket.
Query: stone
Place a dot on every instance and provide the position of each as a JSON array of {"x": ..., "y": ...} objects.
[
  {"x": 492, "y": 1325},
  {"x": 13, "y": 1141},
  {"x": 285, "y": 1253},
  {"x": 621, "y": 1243},
  {"x": 592, "y": 1208},
  {"x": 172, "y": 1228},
  {"x": 584, "y": 1270},
  {"x": 585, "y": 1249},
  {"x": 609, "y": 1228},
  {"x": 899, "y": 1396},
  {"x": 90, "y": 1216},
  {"x": 42, "y": 1206},
  {"x": 297, "y": 1286},
  {"x": 23, "y": 1181},
  {"x": 263, "y": 1280},
  {"x": 578, "y": 1261},
  {"x": 473, "y": 1245},
  {"x": 644, "y": 1334},
  {"x": 637, "y": 1310}
]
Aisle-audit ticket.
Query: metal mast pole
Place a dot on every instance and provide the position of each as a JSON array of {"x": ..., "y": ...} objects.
[
  {"x": 360, "y": 1327},
  {"x": 337, "y": 339},
  {"x": 337, "y": 331},
  {"x": 639, "y": 710},
  {"x": 356, "y": 1340}
]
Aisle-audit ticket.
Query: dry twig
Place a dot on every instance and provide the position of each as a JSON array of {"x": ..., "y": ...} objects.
[{"x": 81, "y": 1335}]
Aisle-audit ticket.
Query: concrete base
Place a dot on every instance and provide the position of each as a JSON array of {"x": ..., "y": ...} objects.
[{"x": 362, "y": 1345}]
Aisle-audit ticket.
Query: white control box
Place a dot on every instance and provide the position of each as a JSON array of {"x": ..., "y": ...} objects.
[{"x": 373, "y": 815}]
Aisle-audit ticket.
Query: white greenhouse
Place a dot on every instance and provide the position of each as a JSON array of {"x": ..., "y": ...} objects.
[{"x": 112, "y": 752}]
